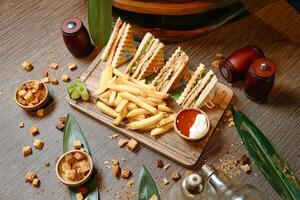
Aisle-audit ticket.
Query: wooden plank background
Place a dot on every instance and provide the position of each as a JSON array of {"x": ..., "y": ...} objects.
[{"x": 30, "y": 30}]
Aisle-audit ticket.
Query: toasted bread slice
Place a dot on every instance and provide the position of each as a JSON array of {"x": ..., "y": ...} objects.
[
  {"x": 167, "y": 70},
  {"x": 173, "y": 72},
  {"x": 146, "y": 57},
  {"x": 126, "y": 47},
  {"x": 197, "y": 76},
  {"x": 112, "y": 39},
  {"x": 141, "y": 51},
  {"x": 155, "y": 63},
  {"x": 207, "y": 93},
  {"x": 196, "y": 91},
  {"x": 115, "y": 46}
]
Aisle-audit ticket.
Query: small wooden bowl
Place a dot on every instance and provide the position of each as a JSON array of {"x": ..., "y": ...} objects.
[
  {"x": 185, "y": 137},
  {"x": 73, "y": 183},
  {"x": 37, "y": 106}
]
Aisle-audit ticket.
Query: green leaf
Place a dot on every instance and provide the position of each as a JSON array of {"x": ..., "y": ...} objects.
[
  {"x": 72, "y": 131},
  {"x": 270, "y": 162},
  {"x": 100, "y": 21},
  {"x": 147, "y": 187}
]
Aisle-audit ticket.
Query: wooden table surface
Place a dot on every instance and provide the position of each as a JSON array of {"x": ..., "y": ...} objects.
[{"x": 30, "y": 30}]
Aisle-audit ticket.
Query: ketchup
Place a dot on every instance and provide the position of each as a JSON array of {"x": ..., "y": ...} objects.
[{"x": 185, "y": 121}]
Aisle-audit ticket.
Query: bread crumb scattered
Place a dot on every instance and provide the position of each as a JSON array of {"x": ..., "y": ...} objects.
[
  {"x": 125, "y": 173},
  {"x": 54, "y": 81},
  {"x": 47, "y": 164},
  {"x": 40, "y": 112},
  {"x": 122, "y": 142},
  {"x": 231, "y": 124},
  {"x": 175, "y": 176},
  {"x": 165, "y": 181},
  {"x": 65, "y": 78},
  {"x": 29, "y": 176},
  {"x": 115, "y": 162},
  {"x": 76, "y": 144},
  {"x": 132, "y": 144},
  {"x": 53, "y": 65},
  {"x": 167, "y": 166},
  {"x": 159, "y": 163},
  {"x": 38, "y": 144},
  {"x": 130, "y": 183},
  {"x": 26, "y": 151},
  {"x": 79, "y": 196},
  {"x": 27, "y": 66},
  {"x": 45, "y": 80},
  {"x": 35, "y": 182},
  {"x": 21, "y": 125},
  {"x": 116, "y": 170},
  {"x": 246, "y": 168},
  {"x": 72, "y": 66},
  {"x": 154, "y": 197},
  {"x": 34, "y": 130}
]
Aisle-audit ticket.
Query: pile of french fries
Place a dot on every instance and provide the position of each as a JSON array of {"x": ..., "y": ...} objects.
[{"x": 139, "y": 105}]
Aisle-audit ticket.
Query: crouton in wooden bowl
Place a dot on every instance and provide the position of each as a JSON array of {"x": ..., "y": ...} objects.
[
  {"x": 74, "y": 168},
  {"x": 32, "y": 95}
]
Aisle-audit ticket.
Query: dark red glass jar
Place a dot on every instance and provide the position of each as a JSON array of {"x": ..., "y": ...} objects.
[
  {"x": 236, "y": 65},
  {"x": 76, "y": 37},
  {"x": 260, "y": 79}
]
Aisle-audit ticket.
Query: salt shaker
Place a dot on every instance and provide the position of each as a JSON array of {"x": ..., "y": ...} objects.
[
  {"x": 236, "y": 65},
  {"x": 76, "y": 37},
  {"x": 260, "y": 79}
]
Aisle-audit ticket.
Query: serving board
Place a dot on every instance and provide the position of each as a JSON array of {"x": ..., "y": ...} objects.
[{"x": 169, "y": 144}]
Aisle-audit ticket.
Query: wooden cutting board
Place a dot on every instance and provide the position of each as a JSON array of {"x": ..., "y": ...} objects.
[{"x": 168, "y": 144}]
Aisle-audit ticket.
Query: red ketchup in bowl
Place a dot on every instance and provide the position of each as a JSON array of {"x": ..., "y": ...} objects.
[{"x": 185, "y": 121}]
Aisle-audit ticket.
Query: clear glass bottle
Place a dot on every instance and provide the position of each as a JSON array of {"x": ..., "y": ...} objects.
[
  {"x": 227, "y": 189},
  {"x": 190, "y": 188}
]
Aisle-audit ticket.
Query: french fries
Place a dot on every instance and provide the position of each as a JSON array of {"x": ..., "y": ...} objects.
[
  {"x": 161, "y": 130},
  {"x": 106, "y": 109},
  {"x": 112, "y": 98},
  {"x": 137, "y": 111},
  {"x": 146, "y": 122},
  {"x": 139, "y": 105},
  {"x": 120, "y": 117},
  {"x": 138, "y": 102},
  {"x": 164, "y": 108},
  {"x": 127, "y": 88},
  {"x": 121, "y": 105},
  {"x": 166, "y": 120}
]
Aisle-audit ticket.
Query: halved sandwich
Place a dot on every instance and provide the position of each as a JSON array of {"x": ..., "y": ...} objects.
[
  {"x": 148, "y": 59},
  {"x": 175, "y": 70},
  {"x": 201, "y": 91},
  {"x": 197, "y": 75},
  {"x": 121, "y": 46}
]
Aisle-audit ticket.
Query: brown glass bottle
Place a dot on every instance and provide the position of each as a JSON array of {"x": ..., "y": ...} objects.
[
  {"x": 260, "y": 79},
  {"x": 236, "y": 65},
  {"x": 76, "y": 37}
]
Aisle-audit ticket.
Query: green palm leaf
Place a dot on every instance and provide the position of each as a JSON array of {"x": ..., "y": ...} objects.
[
  {"x": 100, "y": 19},
  {"x": 72, "y": 131},
  {"x": 147, "y": 187},
  {"x": 270, "y": 162}
]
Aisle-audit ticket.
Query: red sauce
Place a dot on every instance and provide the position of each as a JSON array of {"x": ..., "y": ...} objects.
[{"x": 185, "y": 121}]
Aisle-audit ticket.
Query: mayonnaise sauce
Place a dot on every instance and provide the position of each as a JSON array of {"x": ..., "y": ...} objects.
[{"x": 199, "y": 128}]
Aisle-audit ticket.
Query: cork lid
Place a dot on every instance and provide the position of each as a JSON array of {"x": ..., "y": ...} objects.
[
  {"x": 263, "y": 68},
  {"x": 71, "y": 25}
]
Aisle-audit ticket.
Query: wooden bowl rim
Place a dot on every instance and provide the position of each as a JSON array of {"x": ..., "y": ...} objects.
[
  {"x": 73, "y": 183},
  {"x": 185, "y": 137},
  {"x": 37, "y": 105}
]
